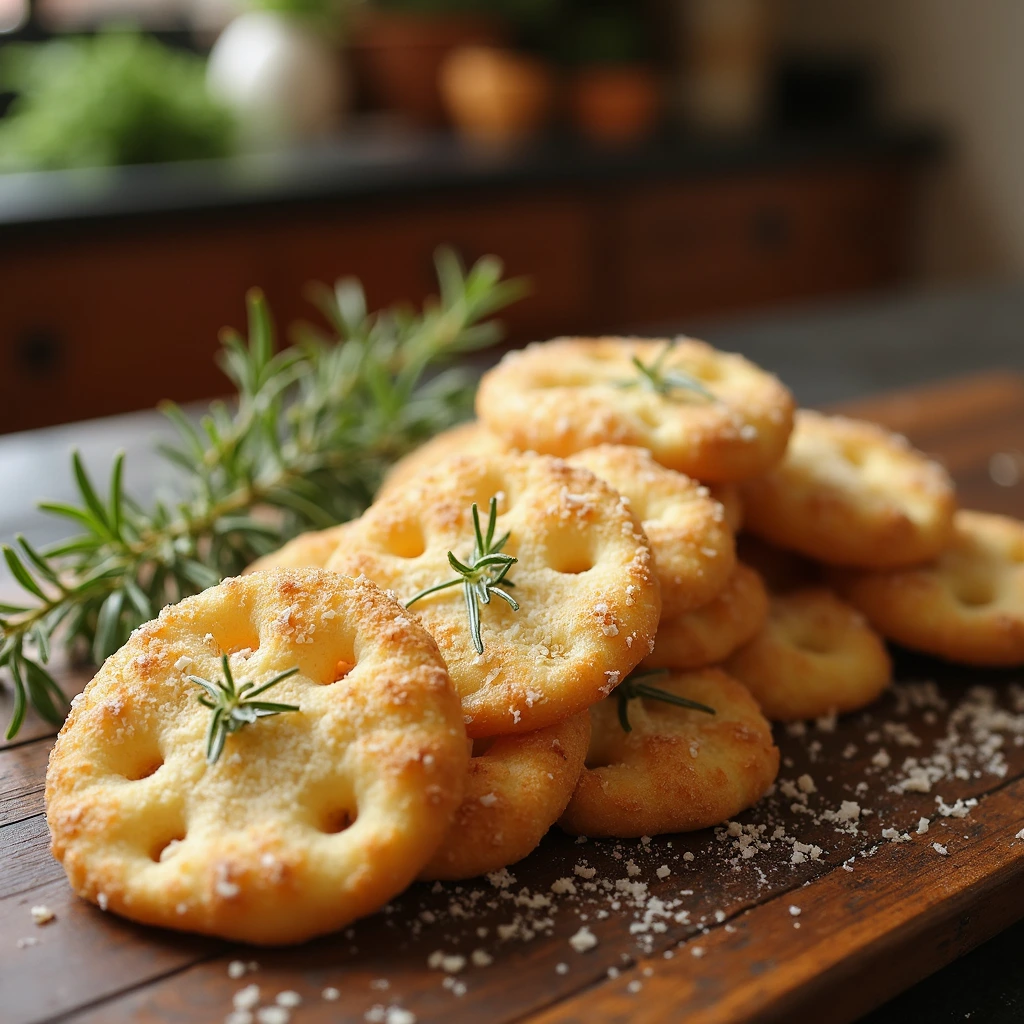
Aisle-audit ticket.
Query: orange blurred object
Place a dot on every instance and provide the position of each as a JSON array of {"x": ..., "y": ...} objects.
[
  {"x": 399, "y": 57},
  {"x": 495, "y": 95},
  {"x": 615, "y": 104}
]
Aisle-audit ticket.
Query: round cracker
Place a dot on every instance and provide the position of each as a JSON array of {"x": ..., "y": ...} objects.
[
  {"x": 517, "y": 788},
  {"x": 693, "y": 547},
  {"x": 309, "y": 819},
  {"x": 815, "y": 655},
  {"x": 566, "y": 395},
  {"x": 588, "y": 597},
  {"x": 968, "y": 605},
  {"x": 310, "y": 550},
  {"x": 471, "y": 438},
  {"x": 677, "y": 770},
  {"x": 851, "y": 493},
  {"x": 710, "y": 634}
]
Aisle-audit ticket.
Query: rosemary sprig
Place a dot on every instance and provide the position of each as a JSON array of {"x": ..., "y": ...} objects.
[
  {"x": 303, "y": 445},
  {"x": 487, "y": 567},
  {"x": 663, "y": 381},
  {"x": 234, "y": 708},
  {"x": 634, "y": 686}
]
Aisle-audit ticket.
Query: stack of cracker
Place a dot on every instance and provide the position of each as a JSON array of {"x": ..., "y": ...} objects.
[{"x": 544, "y": 619}]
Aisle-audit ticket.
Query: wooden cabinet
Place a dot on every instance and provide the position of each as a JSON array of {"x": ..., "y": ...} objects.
[
  {"x": 734, "y": 245},
  {"x": 99, "y": 320}
]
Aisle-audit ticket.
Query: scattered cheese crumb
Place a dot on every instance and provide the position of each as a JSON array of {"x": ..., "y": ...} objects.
[
  {"x": 697, "y": 951},
  {"x": 634, "y": 986},
  {"x": 481, "y": 958},
  {"x": 922, "y": 826},
  {"x": 488, "y": 799},
  {"x": 561, "y": 968},
  {"x": 806, "y": 784},
  {"x": 246, "y": 998},
  {"x": 42, "y": 915},
  {"x": 273, "y": 1015},
  {"x": 236, "y": 969},
  {"x": 664, "y": 871},
  {"x": 583, "y": 940},
  {"x": 940, "y": 849},
  {"x": 794, "y": 910},
  {"x": 330, "y": 994},
  {"x": 288, "y": 998}
]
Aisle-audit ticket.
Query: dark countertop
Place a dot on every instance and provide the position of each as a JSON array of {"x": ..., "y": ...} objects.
[
  {"x": 825, "y": 354},
  {"x": 378, "y": 163}
]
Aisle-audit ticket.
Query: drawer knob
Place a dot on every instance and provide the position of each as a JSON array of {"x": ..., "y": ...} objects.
[{"x": 39, "y": 351}]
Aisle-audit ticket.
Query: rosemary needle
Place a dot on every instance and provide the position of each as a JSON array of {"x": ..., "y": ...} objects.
[
  {"x": 634, "y": 686},
  {"x": 309, "y": 435},
  {"x": 234, "y": 708},
  {"x": 664, "y": 381},
  {"x": 487, "y": 567}
]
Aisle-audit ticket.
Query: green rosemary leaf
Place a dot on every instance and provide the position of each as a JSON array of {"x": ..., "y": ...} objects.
[
  {"x": 635, "y": 685},
  {"x": 78, "y": 515},
  {"x": 20, "y": 705},
  {"x": 21, "y": 574},
  {"x": 114, "y": 503},
  {"x": 93, "y": 503},
  {"x": 307, "y": 439},
  {"x": 40, "y": 694},
  {"x": 107, "y": 638},
  {"x": 487, "y": 567},
  {"x": 139, "y": 600},
  {"x": 41, "y": 564}
]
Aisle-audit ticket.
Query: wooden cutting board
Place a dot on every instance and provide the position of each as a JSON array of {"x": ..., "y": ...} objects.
[{"x": 802, "y": 909}]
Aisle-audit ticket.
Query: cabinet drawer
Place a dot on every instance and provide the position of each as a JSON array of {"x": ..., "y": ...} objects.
[
  {"x": 704, "y": 247},
  {"x": 392, "y": 252},
  {"x": 91, "y": 329}
]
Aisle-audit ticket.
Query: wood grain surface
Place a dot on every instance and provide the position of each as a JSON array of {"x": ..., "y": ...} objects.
[{"x": 688, "y": 927}]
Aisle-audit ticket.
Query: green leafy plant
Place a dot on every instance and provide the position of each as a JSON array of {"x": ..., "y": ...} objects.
[
  {"x": 638, "y": 685},
  {"x": 233, "y": 707},
  {"x": 115, "y": 98},
  {"x": 487, "y": 567},
  {"x": 304, "y": 445}
]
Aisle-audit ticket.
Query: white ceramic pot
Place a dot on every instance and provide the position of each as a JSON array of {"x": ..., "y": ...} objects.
[{"x": 282, "y": 79}]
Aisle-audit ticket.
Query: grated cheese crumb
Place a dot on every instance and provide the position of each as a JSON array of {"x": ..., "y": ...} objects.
[
  {"x": 583, "y": 940},
  {"x": 940, "y": 849},
  {"x": 330, "y": 994},
  {"x": 42, "y": 915}
]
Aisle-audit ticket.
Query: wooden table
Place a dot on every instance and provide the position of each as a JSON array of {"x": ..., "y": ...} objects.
[{"x": 824, "y": 920}]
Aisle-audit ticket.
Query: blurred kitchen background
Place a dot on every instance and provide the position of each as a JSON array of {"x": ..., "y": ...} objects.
[{"x": 648, "y": 163}]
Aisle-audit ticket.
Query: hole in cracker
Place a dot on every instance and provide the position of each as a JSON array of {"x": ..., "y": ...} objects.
[
  {"x": 167, "y": 846},
  {"x": 336, "y": 820},
  {"x": 233, "y": 635},
  {"x": 143, "y": 769},
  {"x": 482, "y": 745},
  {"x": 974, "y": 593},
  {"x": 569, "y": 552},
  {"x": 341, "y": 669},
  {"x": 598, "y": 758},
  {"x": 405, "y": 539},
  {"x": 136, "y": 760}
]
